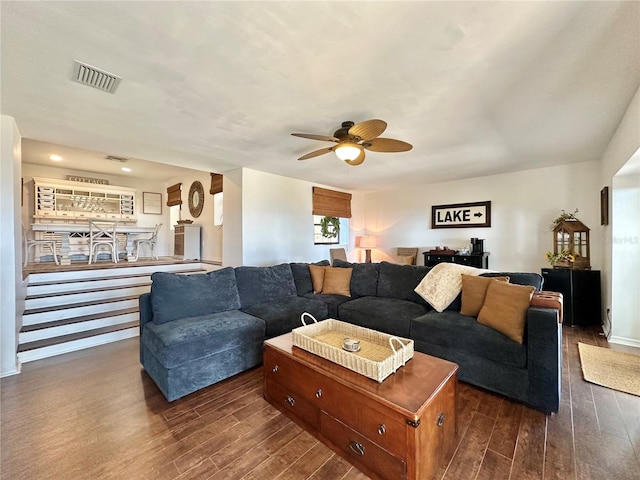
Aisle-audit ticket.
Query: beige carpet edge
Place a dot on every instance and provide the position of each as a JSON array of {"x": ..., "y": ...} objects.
[{"x": 610, "y": 368}]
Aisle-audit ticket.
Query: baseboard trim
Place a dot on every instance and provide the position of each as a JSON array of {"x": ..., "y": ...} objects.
[{"x": 630, "y": 342}]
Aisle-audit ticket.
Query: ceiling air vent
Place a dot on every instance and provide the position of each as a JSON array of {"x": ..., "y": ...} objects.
[
  {"x": 116, "y": 159},
  {"x": 94, "y": 77}
]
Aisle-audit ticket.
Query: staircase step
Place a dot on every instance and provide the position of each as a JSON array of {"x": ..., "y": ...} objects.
[
  {"x": 50, "y": 314},
  {"x": 90, "y": 274},
  {"x": 90, "y": 295},
  {"x": 69, "y": 321},
  {"x": 110, "y": 277},
  {"x": 70, "y": 343}
]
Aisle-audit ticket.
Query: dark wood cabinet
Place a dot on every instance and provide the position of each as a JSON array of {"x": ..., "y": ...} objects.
[
  {"x": 580, "y": 289},
  {"x": 478, "y": 260}
]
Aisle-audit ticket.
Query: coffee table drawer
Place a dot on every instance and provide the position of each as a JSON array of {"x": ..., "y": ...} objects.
[
  {"x": 360, "y": 450},
  {"x": 386, "y": 429},
  {"x": 293, "y": 403}
]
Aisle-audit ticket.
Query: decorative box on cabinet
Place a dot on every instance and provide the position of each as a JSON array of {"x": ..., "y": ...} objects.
[
  {"x": 187, "y": 242},
  {"x": 478, "y": 260},
  {"x": 580, "y": 289}
]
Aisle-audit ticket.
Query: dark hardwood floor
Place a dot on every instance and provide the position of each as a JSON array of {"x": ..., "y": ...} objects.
[{"x": 95, "y": 414}]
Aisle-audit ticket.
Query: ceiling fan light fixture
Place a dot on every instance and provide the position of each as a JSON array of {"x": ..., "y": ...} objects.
[{"x": 348, "y": 151}]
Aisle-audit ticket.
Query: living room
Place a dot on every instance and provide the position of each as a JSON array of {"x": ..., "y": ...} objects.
[{"x": 266, "y": 226}]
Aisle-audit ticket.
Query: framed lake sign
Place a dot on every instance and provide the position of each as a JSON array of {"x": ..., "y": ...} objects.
[{"x": 461, "y": 215}]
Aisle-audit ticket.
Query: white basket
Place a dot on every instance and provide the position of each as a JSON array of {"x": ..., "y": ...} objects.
[{"x": 378, "y": 356}]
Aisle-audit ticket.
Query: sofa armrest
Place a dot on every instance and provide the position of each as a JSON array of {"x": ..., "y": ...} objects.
[
  {"x": 544, "y": 358},
  {"x": 146, "y": 314}
]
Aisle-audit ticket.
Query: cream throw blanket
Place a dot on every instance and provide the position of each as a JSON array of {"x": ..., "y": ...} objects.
[{"x": 443, "y": 283}]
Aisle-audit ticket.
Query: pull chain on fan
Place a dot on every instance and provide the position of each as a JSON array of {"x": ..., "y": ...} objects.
[{"x": 352, "y": 139}]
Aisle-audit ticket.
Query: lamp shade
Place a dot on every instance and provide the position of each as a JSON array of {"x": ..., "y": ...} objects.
[
  {"x": 367, "y": 241},
  {"x": 348, "y": 151}
]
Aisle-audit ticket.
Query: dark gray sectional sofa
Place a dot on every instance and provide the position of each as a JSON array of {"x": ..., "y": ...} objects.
[{"x": 199, "y": 329}]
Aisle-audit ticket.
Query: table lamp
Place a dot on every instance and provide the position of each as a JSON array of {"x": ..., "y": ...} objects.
[{"x": 367, "y": 242}]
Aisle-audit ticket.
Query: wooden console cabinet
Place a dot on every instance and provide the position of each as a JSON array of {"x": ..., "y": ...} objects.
[
  {"x": 187, "y": 242},
  {"x": 402, "y": 428},
  {"x": 580, "y": 289},
  {"x": 478, "y": 260}
]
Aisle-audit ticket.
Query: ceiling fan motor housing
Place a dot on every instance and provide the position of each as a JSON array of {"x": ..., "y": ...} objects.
[{"x": 343, "y": 132}]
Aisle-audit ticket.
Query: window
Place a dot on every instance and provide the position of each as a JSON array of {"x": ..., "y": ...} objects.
[
  {"x": 174, "y": 215},
  {"x": 336, "y": 230}
]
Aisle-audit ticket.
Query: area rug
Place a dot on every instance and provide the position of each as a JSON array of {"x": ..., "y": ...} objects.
[{"x": 610, "y": 368}]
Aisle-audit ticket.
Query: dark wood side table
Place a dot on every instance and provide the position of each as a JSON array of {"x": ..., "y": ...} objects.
[
  {"x": 478, "y": 260},
  {"x": 580, "y": 289}
]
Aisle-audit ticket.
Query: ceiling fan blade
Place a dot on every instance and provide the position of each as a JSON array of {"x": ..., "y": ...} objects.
[
  {"x": 369, "y": 129},
  {"x": 313, "y": 136},
  {"x": 316, "y": 153},
  {"x": 356, "y": 161},
  {"x": 387, "y": 145}
]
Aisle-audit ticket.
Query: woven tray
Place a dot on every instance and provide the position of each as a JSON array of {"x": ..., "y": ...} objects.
[{"x": 380, "y": 354}]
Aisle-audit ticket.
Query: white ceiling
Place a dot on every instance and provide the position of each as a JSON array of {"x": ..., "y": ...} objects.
[{"x": 477, "y": 87}]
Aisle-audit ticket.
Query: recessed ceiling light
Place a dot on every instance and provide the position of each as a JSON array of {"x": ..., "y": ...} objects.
[
  {"x": 126, "y": 169},
  {"x": 55, "y": 158}
]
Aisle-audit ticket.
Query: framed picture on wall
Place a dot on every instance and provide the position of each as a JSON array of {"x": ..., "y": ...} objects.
[
  {"x": 152, "y": 203},
  {"x": 604, "y": 206}
]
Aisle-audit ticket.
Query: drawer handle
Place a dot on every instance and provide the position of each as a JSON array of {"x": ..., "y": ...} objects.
[
  {"x": 319, "y": 393},
  {"x": 290, "y": 400},
  {"x": 275, "y": 369},
  {"x": 441, "y": 419},
  {"x": 382, "y": 429},
  {"x": 356, "y": 447}
]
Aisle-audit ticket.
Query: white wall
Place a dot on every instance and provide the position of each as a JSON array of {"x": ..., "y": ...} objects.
[
  {"x": 277, "y": 220},
  {"x": 626, "y": 260},
  {"x": 210, "y": 235},
  {"x": 523, "y": 205},
  {"x": 12, "y": 287},
  {"x": 623, "y": 145}
]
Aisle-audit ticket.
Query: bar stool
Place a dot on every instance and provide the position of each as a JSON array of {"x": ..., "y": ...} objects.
[{"x": 103, "y": 233}]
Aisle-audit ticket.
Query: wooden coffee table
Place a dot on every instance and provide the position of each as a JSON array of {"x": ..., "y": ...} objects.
[{"x": 402, "y": 428}]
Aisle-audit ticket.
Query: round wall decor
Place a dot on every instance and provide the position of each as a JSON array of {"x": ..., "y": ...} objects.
[{"x": 196, "y": 199}]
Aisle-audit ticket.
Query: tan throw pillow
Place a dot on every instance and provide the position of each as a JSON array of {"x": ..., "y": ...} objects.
[
  {"x": 474, "y": 289},
  {"x": 404, "y": 259},
  {"x": 337, "y": 281},
  {"x": 505, "y": 308},
  {"x": 317, "y": 277}
]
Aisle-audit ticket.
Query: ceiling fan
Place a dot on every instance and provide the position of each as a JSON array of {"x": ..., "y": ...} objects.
[{"x": 352, "y": 138}]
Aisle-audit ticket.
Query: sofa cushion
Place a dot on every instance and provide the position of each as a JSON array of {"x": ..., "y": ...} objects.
[
  {"x": 389, "y": 315},
  {"x": 181, "y": 341},
  {"x": 519, "y": 278},
  {"x": 505, "y": 308},
  {"x": 443, "y": 284},
  {"x": 453, "y": 331},
  {"x": 262, "y": 284},
  {"x": 283, "y": 315},
  {"x": 400, "y": 281},
  {"x": 332, "y": 301},
  {"x": 337, "y": 281},
  {"x": 474, "y": 289},
  {"x": 302, "y": 276},
  {"x": 364, "y": 278},
  {"x": 317, "y": 277},
  {"x": 175, "y": 296}
]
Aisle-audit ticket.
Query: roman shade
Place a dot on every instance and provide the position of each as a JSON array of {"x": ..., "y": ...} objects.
[
  {"x": 174, "y": 195},
  {"x": 330, "y": 203},
  {"x": 216, "y": 184}
]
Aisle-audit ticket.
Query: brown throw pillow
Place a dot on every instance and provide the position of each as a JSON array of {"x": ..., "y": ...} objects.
[
  {"x": 337, "y": 281},
  {"x": 474, "y": 289},
  {"x": 505, "y": 308},
  {"x": 317, "y": 277}
]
